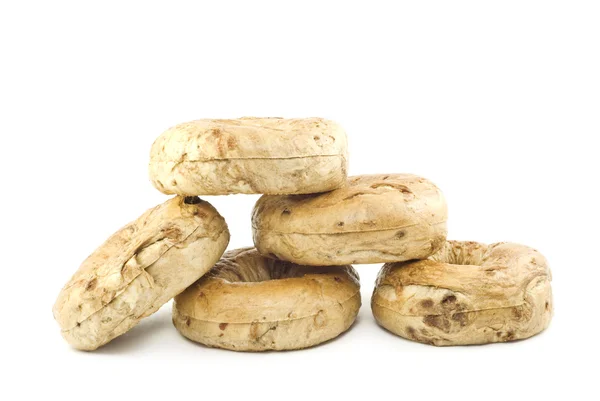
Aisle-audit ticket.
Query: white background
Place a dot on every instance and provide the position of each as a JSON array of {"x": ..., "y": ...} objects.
[{"x": 497, "y": 102}]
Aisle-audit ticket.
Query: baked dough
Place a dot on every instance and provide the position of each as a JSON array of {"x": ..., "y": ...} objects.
[
  {"x": 467, "y": 293},
  {"x": 373, "y": 219},
  {"x": 138, "y": 269},
  {"x": 251, "y": 303},
  {"x": 250, "y": 156}
]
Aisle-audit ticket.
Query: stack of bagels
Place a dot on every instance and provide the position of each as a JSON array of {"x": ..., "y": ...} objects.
[{"x": 296, "y": 287}]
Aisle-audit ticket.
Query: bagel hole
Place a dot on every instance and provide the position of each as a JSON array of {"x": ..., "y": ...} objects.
[
  {"x": 460, "y": 254},
  {"x": 191, "y": 200},
  {"x": 249, "y": 267}
]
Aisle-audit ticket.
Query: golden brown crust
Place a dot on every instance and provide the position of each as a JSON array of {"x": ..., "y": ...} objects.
[
  {"x": 246, "y": 296},
  {"x": 466, "y": 293},
  {"x": 374, "y": 218},
  {"x": 250, "y": 155},
  {"x": 138, "y": 269}
]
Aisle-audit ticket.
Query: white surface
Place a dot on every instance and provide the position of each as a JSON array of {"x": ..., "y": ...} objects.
[{"x": 496, "y": 103}]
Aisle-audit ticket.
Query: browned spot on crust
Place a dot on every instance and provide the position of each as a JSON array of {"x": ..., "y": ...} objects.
[
  {"x": 547, "y": 306},
  {"x": 91, "y": 284},
  {"x": 427, "y": 303},
  {"x": 340, "y": 224},
  {"x": 172, "y": 232},
  {"x": 437, "y": 242},
  {"x": 339, "y": 280},
  {"x": 316, "y": 137},
  {"x": 412, "y": 334},
  {"x": 218, "y": 135},
  {"x": 461, "y": 318},
  {"x": 200, "y": 214},
  {"x": 437, "y": 321},
  {"x": 449, "y": 300},
  {"x": 254, "y": 331},
  {"x": 221, "y": 335},
  {"x": 223, "y": 326},
  {"x": 231, "y": 142},
  {"x": 517, "y": 313}
]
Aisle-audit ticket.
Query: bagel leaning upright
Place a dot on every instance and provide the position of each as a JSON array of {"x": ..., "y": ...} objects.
[
  {"x": 138, "y": 269},
  {"x": 250, "y": 156}
]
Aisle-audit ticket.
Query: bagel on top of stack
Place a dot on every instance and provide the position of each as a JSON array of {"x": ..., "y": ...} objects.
[{"x": 250, "y": 156}]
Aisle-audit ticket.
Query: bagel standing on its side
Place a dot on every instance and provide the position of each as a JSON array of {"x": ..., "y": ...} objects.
[
  {"x": 251, "y": 303},
  {"x": 467, "y": 293},
  {"x": 373, "y": 219},
  {"x": 138, "y": 269},
  {"x": 250, "y": 156}
]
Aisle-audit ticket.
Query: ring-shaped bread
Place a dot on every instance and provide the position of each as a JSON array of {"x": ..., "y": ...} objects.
[
  {"x": 251, "y": 303},
  {"x": 467, "y": 293},
  {"x": 250, "y": 156},
  {"x": 138, "y": 269},
  {"x": 373, "y": 219}
]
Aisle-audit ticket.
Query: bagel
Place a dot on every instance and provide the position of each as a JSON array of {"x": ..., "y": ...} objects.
[
  {"x": 372, "y": 219},
  {"x": 138, "y": 269},
  {"x": 467, "y": 293},
  {"x": 250, "y": 156},
  {"x": 251, "y": 303}
]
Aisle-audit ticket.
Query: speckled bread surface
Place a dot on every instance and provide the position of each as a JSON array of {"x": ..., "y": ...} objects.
[
  {"x": 250, "y": 156},
  {"x": 138, "y": 269},
  {"x": 251, "y": 303},
  {"x": 372, "y": 219},
  {"x": 467, "y": 293}
]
